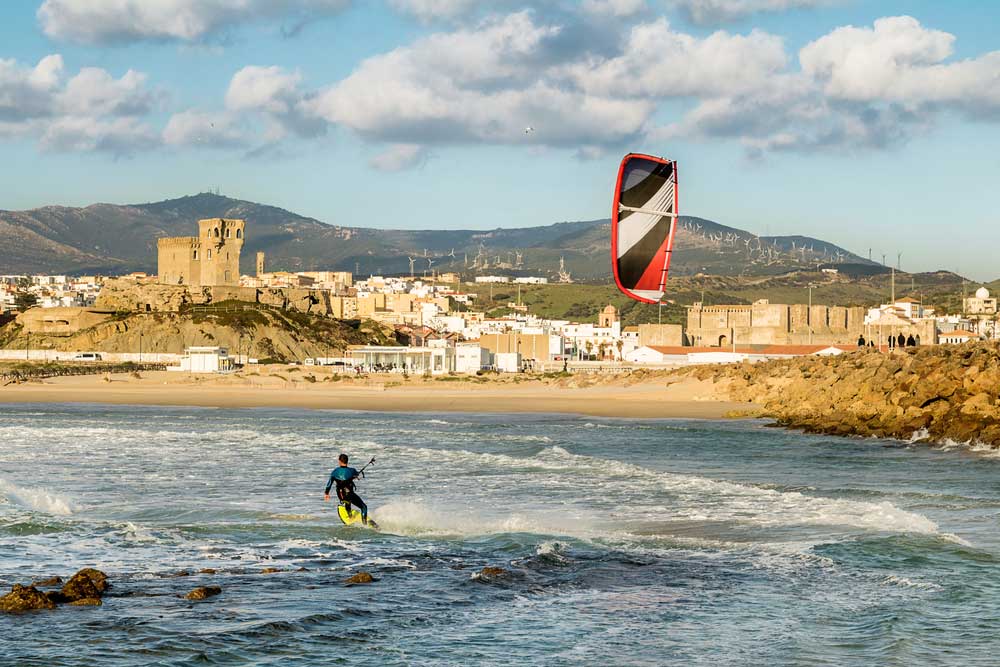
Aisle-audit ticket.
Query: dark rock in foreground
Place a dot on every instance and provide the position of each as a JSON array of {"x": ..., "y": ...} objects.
[
  {"x": 87, "y": 583},
  {"x": 360, "y": 578},
  {"x": 25, "y": 598}
]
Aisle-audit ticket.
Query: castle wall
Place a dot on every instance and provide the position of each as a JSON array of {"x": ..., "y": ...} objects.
[
  {"x": 176, "y": 261},
  {"x": 774, "y": 324},
  {"x": 211, "y": 258}
]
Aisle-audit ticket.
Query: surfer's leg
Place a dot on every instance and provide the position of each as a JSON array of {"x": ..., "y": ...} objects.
[{"x": 355, "y": 499}]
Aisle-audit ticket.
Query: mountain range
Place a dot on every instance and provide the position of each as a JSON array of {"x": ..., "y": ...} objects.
[{"x": 110, "y": 239}]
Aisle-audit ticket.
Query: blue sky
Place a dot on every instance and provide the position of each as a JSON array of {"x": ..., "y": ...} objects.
[{"x": 868, "y": 124}]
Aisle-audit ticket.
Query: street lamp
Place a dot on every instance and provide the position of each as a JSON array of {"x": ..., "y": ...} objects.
[{"x": 140, "y": 347}]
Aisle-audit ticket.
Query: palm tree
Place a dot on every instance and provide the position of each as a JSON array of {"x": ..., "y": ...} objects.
[
  {"x": 590, "y": 346},
  {"x": 619, "y": 344}
]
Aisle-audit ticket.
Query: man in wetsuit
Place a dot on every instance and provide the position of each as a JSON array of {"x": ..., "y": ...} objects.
[{"x": 344, "y": 477}]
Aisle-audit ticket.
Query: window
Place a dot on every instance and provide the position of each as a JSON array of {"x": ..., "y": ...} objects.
[
  {"x": 209, "y": 253},
  {"x": 228, "y": 232},
  {"x": 239, "y": 233},
  {"x": 195, "y": 255},
  {"x": 216, "y": 232}
]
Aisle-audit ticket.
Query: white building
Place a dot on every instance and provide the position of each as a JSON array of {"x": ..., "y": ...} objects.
[
  {"x": 471, "y": 358},
  {"x": 492, "y": 279},
  {"x": 205, "y": 360},
  {"x": 531, "y": 280},
  {"x": 508, "y": 362},
  {"x": 957, "y": 337},
  {"x": 436, "y": 360}
]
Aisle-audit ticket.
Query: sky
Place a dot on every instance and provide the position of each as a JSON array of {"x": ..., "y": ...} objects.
[{"x": 872, "y": 125}]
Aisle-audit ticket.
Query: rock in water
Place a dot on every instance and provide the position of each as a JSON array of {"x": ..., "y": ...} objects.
[
  {"x": 492, "y": 572},
  {"x": 87, "y": 602},
  {"x": 51, "y": 581},
  {"x": 25, "y": 598},
  {"x": 360, "y": 578},
  {"x": 87, "y": 583},
  {"x": 203, "y": 592}
]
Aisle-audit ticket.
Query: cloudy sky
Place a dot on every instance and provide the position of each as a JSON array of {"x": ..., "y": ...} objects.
[{"x": 869, "y": 124}]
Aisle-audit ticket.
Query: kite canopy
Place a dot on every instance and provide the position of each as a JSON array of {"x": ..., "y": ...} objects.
[{"x": 642, "y": 225}]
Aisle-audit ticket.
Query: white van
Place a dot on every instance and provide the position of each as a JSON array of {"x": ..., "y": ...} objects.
[{"x": 87, "y": 356}]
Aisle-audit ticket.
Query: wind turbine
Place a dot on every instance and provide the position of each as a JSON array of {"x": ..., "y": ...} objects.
[{"x": 412, "y": 262}]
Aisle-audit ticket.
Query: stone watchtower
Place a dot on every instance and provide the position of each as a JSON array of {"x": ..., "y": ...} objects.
[{"x": 211, "y": 258}]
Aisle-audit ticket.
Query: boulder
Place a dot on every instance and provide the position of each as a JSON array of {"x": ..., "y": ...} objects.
[
  {"x": 203, "y": 592},
  {"x": 360, "y": 578},
  {"x": 25, "y": 598},
  {"x": 492, "y": 572},
  {"x": 87, "y": 583}
]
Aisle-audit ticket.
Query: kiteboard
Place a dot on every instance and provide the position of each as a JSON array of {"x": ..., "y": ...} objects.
[
  {"x": 352, "y": 516},
  {"x": 643, "y": 223}
]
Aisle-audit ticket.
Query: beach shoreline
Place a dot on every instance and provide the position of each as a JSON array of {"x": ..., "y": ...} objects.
[{"x": 646, "y": 400}]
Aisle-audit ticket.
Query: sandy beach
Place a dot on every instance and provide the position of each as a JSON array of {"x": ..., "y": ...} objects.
[{"x": 649, "y": 399}]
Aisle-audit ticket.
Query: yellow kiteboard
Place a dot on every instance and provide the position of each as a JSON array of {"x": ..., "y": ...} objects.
[{"x": 353, "y": 517}]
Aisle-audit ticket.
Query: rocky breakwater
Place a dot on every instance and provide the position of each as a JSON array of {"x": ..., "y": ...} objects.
[{"x": 941, "y": 393}]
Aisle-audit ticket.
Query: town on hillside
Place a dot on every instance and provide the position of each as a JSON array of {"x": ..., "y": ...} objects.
[{"x": 428, "y": 322}]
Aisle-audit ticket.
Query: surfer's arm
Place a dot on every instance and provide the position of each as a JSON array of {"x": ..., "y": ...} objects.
[{"x": 329, "y": 483}]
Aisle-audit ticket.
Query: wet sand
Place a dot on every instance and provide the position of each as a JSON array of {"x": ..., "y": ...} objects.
[{"x": 686, "y": 399}]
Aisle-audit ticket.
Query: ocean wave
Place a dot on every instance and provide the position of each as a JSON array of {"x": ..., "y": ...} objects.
[
  {"x": 38, "y": 499},
  {"x": 693, "y": 498}
]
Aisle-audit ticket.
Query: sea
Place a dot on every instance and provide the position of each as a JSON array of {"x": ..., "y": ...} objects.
[{"x": 621, "y": 541}]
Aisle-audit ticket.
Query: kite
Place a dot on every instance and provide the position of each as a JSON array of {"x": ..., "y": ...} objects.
[{"x": 643, "y": 222}]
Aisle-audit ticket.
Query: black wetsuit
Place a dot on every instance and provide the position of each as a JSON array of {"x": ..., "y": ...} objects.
[{"x": 344, "y": 477}]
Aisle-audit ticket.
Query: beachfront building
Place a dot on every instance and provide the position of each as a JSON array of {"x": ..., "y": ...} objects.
[
  {"x": 436, "y": 359},
  {"x": 958, "y": 337},
  {"x": 471, "y": 357},
  {"x": 205, "y": 359}
]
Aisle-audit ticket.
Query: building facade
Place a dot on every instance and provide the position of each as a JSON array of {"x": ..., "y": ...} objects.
[
  {"x": 765, "y": 323},
  {"x": 209, "y": 259}
]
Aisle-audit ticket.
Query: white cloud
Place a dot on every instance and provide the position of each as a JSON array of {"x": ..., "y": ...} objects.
[
  {"x": 278, "y": 95},
  {"x": 712, "y": 12},
  {"x": 27, "y": 92},
  {"x": 125, "y": 21},
  {"x": 118, "y": 136},
  {"x": 659, "y": 62},
  {"x": 398, "y": 157},
  {"x": 92, "y": 111},
  {"x": 899, "y": 60},
  {"x": 94, "y": 92},
  {"x": 429, "y": 10},
  {"x": 484, "y": 84},
  {"x": 204, "y": 130},
  {"x": 618, "y": 8}
]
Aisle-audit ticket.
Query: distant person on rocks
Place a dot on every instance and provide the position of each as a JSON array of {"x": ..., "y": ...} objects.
[
  {"x": 911, "y": 341},
  {"x": 343, "y": 476},
  {"x": 901, "y": 341},
  {"x": 861, "y": 341}
]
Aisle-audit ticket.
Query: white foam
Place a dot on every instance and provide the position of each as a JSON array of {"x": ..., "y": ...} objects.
[
  {"x": 690, "y": 497},
  {"x": 38, "y": 499},
  {"x": 419, "y": 519}
]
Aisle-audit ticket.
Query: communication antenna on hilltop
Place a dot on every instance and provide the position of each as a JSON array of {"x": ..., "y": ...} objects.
[
  {"x": 899, "y": 261},
  {"x": 869, "y": 254},
  {"x": 883, "y": 259}
]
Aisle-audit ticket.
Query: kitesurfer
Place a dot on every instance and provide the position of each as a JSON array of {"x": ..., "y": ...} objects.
[{"x": 344, "y": 476}]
